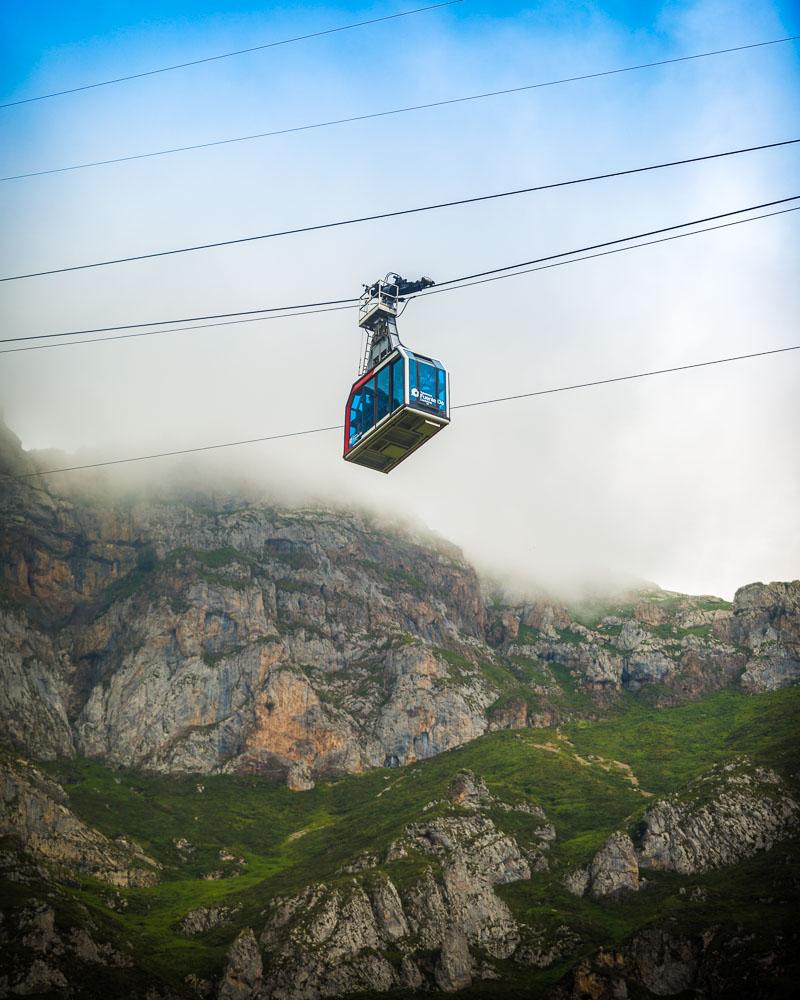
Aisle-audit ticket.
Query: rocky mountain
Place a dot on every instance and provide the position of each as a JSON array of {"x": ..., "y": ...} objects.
[
  {"x": 253, "y": 751},
  {"x": 194, "y": 634}
]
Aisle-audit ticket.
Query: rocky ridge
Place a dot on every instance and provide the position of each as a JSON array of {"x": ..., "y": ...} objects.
[
  {"x": 726, "y": 815},
  {"x": 51, "y": 945},
  {"x": 427, "y": 913},
  {"x": 336, "y": 939}
]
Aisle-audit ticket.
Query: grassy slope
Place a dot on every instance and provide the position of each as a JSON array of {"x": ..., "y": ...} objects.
[{"x": 571, "y": 774}]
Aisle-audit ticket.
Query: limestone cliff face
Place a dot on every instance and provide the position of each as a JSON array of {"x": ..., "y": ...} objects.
[
  {"x": 680, "y": 643},
  {"x": 34, "y": 688},
  {"x": 203, "y": 634},
  {"x": 183, "y": 636},
  {"x": 304, "y": 644},
  {"x": 766, "y": 620}
]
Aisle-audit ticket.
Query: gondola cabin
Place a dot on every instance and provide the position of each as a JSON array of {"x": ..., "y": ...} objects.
[{"x": 395, "y": 408}]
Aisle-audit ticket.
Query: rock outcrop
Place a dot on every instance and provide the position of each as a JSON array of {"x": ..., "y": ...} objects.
[
  {"x": 206, "y": 918},
  {"x": 243, "y": 969},
  {"x": 766, "y": 620},
  {"x": 41, "y": 952},
  {"x": 729, "y": 814},
  {"x": 658, "y": 961},
  {"x": 614, "y": 869},
  {"x": 454, "y": 966},
  {"x": 327, "y": 941},
  {"x": 663, "y": 961},
  {"x": 34, "y": 812},
  {"x": 346, "y": 938}
]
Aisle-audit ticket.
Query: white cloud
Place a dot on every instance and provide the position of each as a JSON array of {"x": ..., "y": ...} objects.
[{"x": 690, "y": 480}]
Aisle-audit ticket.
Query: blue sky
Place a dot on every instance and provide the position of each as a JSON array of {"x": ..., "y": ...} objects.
[{"x": 685, "y": 481}]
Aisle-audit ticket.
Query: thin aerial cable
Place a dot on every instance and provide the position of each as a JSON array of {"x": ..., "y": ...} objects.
[
  {"x": 177, "y": 329},
  {"x": 461, "y": 406},
  {"x": 590, "y": 256},
  {"x": 405, "y": 211},
  {"x": 440, "y": 286},
  {"x": 229, "y": 55},
  {"x": 451, "y": 288},
  {"x": 287, "y": 310},
  {"x": 623, "y": 378},
  {"x": 382, "y": 114}
]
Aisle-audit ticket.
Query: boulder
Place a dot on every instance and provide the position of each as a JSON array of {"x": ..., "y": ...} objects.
[
  {"x": 298, "y": 778},
  {"x": 453, "y": 970},
  {"x": 614, "y": 869},
  {"x": 243, "y": 973}
]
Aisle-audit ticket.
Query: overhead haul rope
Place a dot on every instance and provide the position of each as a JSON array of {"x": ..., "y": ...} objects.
[
  {"x": 257, "y": 314},
  {"x": 385, "y": 114},
  {"x": 401, "y": 212},
  {"x": 177, "y": 329},
  {"x": 253, "y": 48},
  {"x": 495, "y": 276},
  {"x": 461, "y": 406}
]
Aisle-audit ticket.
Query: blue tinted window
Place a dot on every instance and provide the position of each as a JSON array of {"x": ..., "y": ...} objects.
[
  {"x": 441, "y": 390},
  {"x": 431, "y": 386},
  {"x": 398, "y": 386},
  {"x": 413, "y": 391},
  {"x": 368, "y": 411},
  {"x": 356, "y": 407},
  {"x": 362, "y": 412},
  {"x": 383, "y": 393},
  {"x": 427, "y": 384}
]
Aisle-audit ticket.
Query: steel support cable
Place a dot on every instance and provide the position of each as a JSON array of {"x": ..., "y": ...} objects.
[
  {"x": 387, "y": 113},
  {"x": 461, "y": 406},
  {"x": 237, "y": 52},
  {"x": 451, "y": 288},
  {"x": 285, "y": 311},
  {"x": 404, "y": 211},
  {"x": 177, "y": 329},
  {"x": 602, "y": 253},
  {"x": 440, "y": 286}
]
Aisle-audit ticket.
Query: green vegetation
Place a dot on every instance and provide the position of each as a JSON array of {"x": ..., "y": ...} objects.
[
  {"x": 290, "y": 586},
  {"x": 402, "y": 579},
  {"x": 668, "y": 747},
  {"x": 528, "y": 635},
  {"x": 287, "y": 840},
  {"x": 668, "y": 631},
  {"x": 212, "y": 659},
  {"x": 459, "y": 667},
  {"x": 591, "y": 613},
  {"x": 714, "y": 604},
  {"x": 568, "y": 635},
  {"x": 150, "y": 574}
]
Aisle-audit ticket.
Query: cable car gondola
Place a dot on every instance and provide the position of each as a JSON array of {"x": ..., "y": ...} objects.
[{"x": 401, "y": 399}]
